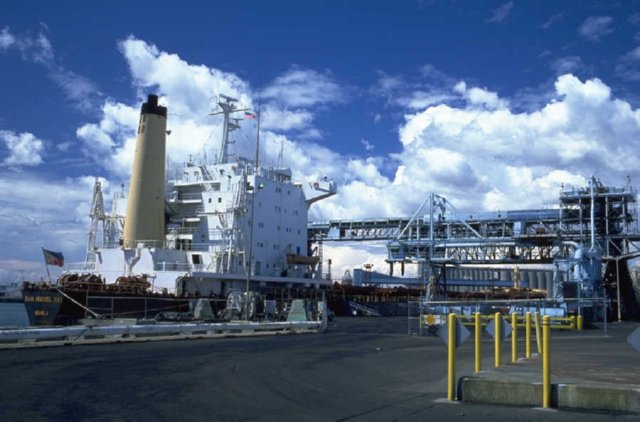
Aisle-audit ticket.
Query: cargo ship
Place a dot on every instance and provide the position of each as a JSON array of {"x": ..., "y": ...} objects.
[
  {"x": 233, "y": 225},
  {"x": 232, "y": 234}
]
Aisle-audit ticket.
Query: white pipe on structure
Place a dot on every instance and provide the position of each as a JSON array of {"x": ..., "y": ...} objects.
[
  {"x": 144, "y": 221},
  {"x": 592, "y": 217}
]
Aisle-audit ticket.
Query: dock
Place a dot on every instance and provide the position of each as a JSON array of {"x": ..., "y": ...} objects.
[{"x": 360, "y": 369}]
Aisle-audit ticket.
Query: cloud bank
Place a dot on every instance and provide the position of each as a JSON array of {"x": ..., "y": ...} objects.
[
  {"x": 462, "y": 141},
  {"x": 482, "y": 155}
]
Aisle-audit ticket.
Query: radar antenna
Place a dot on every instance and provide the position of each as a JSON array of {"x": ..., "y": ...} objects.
[{"x": 227, "y": 107}]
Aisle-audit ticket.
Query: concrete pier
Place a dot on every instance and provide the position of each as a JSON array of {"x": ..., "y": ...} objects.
[
  {"x": 589, "y": 371},
  {"x": 360, "y": 369}
]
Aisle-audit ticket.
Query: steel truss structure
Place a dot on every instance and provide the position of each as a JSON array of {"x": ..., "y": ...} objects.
[
  {"x": 590, "y": 226},
  {"x": 437, "y": 232}
]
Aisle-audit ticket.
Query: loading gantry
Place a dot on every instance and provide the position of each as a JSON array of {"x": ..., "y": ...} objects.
[{"x": 591, "y": 226}]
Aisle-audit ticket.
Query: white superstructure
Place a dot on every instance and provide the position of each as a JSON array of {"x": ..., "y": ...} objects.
[{"x": 227, "y": 225}]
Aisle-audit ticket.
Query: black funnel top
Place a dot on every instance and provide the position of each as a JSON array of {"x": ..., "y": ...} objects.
[{"x": 152, "y": 107}]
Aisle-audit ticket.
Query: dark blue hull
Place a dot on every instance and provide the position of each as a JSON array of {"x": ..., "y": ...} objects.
[{"x": 49, "y": 306}]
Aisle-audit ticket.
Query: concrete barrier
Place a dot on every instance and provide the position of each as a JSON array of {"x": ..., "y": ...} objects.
[
  {"x": 599, "y": 397},
  {"x": 518, "y": 390},
  {"x": 498, "y": 391}
]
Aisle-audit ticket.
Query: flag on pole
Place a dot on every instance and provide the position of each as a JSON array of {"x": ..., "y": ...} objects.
[
  {"x": 53, "y": 258},
  {"x": 249, "y": 115}
]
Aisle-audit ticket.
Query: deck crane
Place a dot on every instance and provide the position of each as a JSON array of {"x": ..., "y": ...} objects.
[{"x": 96, "y": 215}]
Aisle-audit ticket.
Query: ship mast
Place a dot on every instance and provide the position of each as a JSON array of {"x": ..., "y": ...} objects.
[
  {"x": 251, "y": 218},
  {"x": 258, "y": 138},
  {"x": 227, "y": 107}
]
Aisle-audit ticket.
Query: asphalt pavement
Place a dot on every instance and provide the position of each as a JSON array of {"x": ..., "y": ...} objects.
[{"x": 361, "y": 369}]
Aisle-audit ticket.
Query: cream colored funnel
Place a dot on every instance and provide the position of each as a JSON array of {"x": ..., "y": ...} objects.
[{"x": 144, "y": 222}]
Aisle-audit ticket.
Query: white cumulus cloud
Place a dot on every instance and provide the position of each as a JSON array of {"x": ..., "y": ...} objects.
[
  {"x": 189, "y": 88},
  {"x": 488, "y": 158},
  {"x": 190, "y": 93},
  {"x": 24, "y": 149},
  {"x": 279, "y": 119},
  {"x": 304, "y": 88},
  {"x": 480, "y": 96}
]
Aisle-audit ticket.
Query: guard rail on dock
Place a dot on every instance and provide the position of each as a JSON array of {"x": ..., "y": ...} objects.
[
  {"x": 74, "y": 335},
  {"x": 556, "y": 323}
]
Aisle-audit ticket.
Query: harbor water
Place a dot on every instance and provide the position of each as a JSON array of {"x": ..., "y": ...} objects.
[{"x": 13, "y": 315}]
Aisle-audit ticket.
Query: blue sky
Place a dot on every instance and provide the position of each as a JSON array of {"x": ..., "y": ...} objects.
[{"x": 492, "y": 104}]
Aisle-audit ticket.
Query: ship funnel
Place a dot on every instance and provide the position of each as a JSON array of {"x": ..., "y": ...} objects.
[{"x": 144, "y": 222}]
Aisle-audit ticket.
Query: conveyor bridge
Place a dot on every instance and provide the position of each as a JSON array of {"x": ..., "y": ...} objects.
[
  {"x": 438, "y": 232},
  {"x": 590, "y": 226}
]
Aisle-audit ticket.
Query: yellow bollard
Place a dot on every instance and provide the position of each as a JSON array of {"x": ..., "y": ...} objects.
[
  {"x": 496, "y": 338},
  {"x": 546, "y": 362},
  {"x": 572, "y": 323},
  {"x": 537, "y": 322},
  {"x": 527, "y": 334},
  {"x": 451, "y": 384},
  {"x": 579, "y": 322},
  {"x": 514, "y": 337},
  {"x": 478, "y": 339}
]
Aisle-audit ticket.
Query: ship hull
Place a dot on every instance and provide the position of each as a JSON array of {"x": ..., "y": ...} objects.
[{"x": 47, "y": 306}]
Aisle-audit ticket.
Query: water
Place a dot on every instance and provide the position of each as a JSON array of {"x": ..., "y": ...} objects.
[{"x": 13, "y": 315}]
